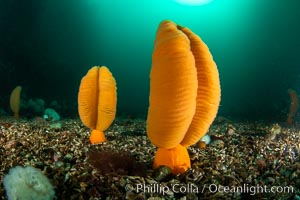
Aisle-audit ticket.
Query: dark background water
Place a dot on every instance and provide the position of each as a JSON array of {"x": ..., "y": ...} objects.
[{"x": 47, "y": 46}]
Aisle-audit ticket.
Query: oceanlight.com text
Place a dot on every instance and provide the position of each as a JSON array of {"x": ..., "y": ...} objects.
[{"x": 212, "y": 188}]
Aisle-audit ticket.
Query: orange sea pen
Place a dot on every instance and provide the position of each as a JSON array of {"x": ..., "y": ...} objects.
[
  {"x": 97, "y": 100},
  {"x": 184, "y": 94},
  {"x": 294, "y": 105},
  {"x": 14, "y": 101}
]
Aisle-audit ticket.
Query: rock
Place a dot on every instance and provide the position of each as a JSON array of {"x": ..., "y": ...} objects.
[{"x": 161, "y": 173}]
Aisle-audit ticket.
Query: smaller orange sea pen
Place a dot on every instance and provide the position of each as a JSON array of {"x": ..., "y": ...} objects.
[
  {"x": 97, "y": 100},
  {"x": 14, "y": 101},
  {"x": 294, "y": 105}
]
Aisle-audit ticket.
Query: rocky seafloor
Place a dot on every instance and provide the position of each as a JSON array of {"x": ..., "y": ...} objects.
[{"x": 245, "y": 160}]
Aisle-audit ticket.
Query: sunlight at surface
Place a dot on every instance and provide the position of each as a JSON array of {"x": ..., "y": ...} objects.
[{"x": 194, "y": 2}]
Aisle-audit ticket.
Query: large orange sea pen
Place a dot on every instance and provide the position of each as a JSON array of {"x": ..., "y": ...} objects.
[{"x": 184, "y": 94}]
